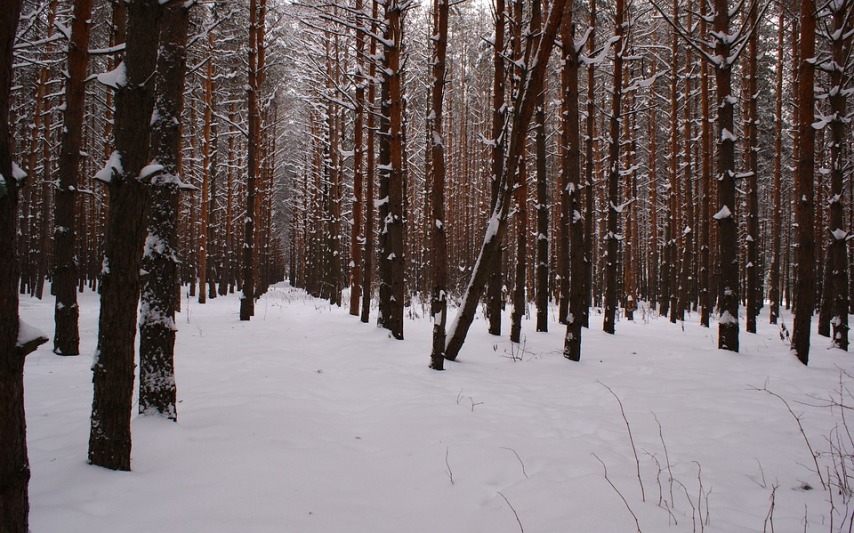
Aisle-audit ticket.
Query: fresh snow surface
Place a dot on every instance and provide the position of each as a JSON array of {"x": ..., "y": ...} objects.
[{"x": 307, "y": 420}]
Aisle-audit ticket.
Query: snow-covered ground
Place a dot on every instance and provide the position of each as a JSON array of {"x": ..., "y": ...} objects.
[{"x": 307, "y": 420}]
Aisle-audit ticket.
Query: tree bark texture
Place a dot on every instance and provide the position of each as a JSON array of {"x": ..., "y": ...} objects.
[
  {"x": 805, "y": 186},
  {"x": 391, "y": 176},
  {"x": 157, "y": 390},
  {"x": 113, "y": 370},
  {"x": 438, "y": 241},
  {"x": 613, "y": 236},
  {"x": 66, "y": 340}
]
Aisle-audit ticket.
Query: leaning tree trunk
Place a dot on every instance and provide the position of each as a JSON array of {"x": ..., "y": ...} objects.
[
  {"x": 805, "y": 187},
  {"x": 491, "y": 248},
  {"x": 110, "y": 435},
  {"x": 66, "y": 340},
  {"x": 157, "y": 392}
]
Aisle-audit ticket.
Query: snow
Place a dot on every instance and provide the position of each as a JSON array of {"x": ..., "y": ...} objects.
[
  {"x": 28, "y": 333},
  {"x": 304, "y": 419},
  {"x": 112, "y": 166},
  {"x": 722, "y": 214},
  {"x": 115, "y": 78},
  {"x": 149, "y": 170},
  {"x": 17, "y": 173},
  {"x": 727, "y": 135},
  {"x": 839, "y": 234}
]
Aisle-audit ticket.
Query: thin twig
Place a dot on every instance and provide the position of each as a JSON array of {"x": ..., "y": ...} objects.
[
  {"x": 519, "y": 458},
  {"x": 522, "y": 529},
  {"x": 666, "y": 455},
  {"x": 631, "y": 438},
  {"x": 620, "y": 494},
  {"x": 769, "y": 518},
  {"x": 448, "y": 465},
  {"x": 801, "y": 428}
]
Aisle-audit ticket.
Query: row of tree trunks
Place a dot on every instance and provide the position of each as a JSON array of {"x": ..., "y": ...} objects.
[{"x": 524, "y": 104}]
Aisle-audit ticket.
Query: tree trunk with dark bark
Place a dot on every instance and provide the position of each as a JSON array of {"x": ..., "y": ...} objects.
[
  {"x": 247, "y": 299},
  {"x": 571, "y": 175},
  {"x": 438, "y": 238},
  {"x": 110, "y": 435},
  {"x": 157, "y": 390},
  {"x": 841, "y": 44},
  {"x": 805, "y": 186},
  {"x": 14, "y": 464},
  {"x": 613, "y": 236},
  {"x": 66, "y": 340},
  {"x": 391, "y": 260},
  {"x": 494, "y": 297},
  {"x": 727, "y": 226}
]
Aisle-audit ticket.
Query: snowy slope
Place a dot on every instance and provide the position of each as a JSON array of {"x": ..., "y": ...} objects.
[{"x": 306, "y": 420}]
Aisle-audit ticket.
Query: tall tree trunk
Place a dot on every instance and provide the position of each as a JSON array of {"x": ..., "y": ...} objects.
[
  {"x": 520, "y": 179},
  {"x": 592, "y": 158},
  {"x": 66, "y": 340},
  {"x": 438, "y": 239},
  {"x": 728, "y": 228},
  {"x": 654, "y": 254},
  {"x": 571, "y": 175},
  {"x": 357, "y": 236},
  {"x": 613, "y": 236},
  {"x": 754, "y": 294},
  {"x": 841, "y": 42},
  {"x": 674, "y": 205},
  {"x": 494, "y": 299},
  {"x": 542, "y": 208},
  {"x": 206, "y": 172},
  {"x": 368, "y": 273},
  {"x": 805, "y": 187},
  {"x": 110, "y": 437},
  {"x": 14, "y": 464},
  {"x": 686, "y": 229},
  {"x": 160, "y": 294},
  {"x": 391, "y": 260},
  {"x": 247, "y": 299},
  {"x": 706, "y": 298},
  {"x": 774, "y": 276}
]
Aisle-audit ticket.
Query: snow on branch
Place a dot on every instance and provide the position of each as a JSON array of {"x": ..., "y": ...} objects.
[
  {"x": 115, "y": 78},
  {"x": 29, "y": 338}
]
